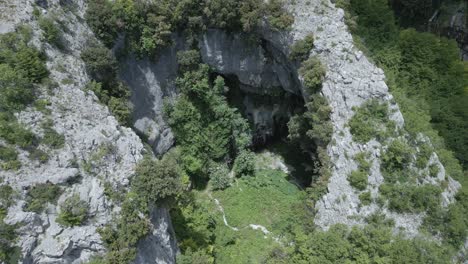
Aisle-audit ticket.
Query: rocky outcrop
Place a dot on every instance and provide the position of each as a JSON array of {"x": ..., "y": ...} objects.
[
  {"x": 89, "y": 129},
  {"x": 351, "y": 80}
]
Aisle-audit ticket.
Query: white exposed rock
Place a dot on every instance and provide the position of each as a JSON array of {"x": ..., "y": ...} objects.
[
  {"x": 351, "y": 80},
  {"x": 87, "y": 126}
]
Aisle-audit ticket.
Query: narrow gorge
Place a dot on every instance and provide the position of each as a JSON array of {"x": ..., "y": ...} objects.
[{"x": 201, "y": 131}]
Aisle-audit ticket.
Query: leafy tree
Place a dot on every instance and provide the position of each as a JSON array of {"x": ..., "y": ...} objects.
[
  {"x": 313, "y": 73},
  {"x": 158, "y": 181},
  {"x": 100, "y": 18},
  {"x": 219, "y": 176},
  {"x": 100, "y": 63},
  {"x": 244, "y": 165}
]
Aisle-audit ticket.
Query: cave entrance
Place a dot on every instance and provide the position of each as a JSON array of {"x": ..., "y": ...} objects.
[{"x": 268, "y": 112}]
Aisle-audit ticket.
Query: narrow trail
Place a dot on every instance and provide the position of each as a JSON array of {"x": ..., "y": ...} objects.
[{"x": 263, "y": 229}]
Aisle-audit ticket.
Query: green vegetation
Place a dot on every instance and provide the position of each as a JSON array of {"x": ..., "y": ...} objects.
[
  {"x": 428, "y": 81},
  {"x": 265, "y": 199},
  {"x": 41, "y": 194},
  {"x": 51, "y": 137},
  {"x": 159, "y": 181},
  {"x": 244, "y": 165},
  {"x": 206, "y": 128},
  {"x": 423, "y": 71},
  {"x": 365, "y": 198},
  {"x": 9, "y": 158},
  {"x": 73, "y": 211},
  {"x": 13, "y": 132},
  {"x": 301, "y": 49},
  {"x": 219, "y": 176},
  {"x": 148, "y": 26},
  {"x": 396, "y": 160},
  {"x": 358, "y": 179},
  {"x": 313, "y": 73},
  {"x": 51, "y": 31},
  {"x": 121, "y": 236},
  {"x": 103, "y": 67},
  {"x": 8, "y": 252},
  {"x": 371, "y": 120},
  {"x": 406, "y": 198},
  {"x": 20, "y": 67}
]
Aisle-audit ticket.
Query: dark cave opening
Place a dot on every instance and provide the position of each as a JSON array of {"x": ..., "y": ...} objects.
[{"x": 268, "y": 114}]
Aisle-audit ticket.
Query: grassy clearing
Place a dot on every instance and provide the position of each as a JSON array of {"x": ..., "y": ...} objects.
[{"x": 267, "y": 199}]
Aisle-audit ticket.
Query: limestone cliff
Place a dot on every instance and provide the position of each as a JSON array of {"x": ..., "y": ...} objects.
[{"x": 97, "y": 150}]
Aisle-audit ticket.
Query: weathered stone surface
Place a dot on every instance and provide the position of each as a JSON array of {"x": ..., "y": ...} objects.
[
  {"x": 351, "y": 80},
  {"x": 88, "y": 128}
]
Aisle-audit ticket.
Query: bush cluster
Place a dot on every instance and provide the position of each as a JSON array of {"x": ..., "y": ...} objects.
[
  {"x": 9, "y": 158},
  {"x": 219, "y": 176},
  {"x": 149, "y": 25},
  {"x": 206, "y": 128},
  {"x": 244, "y": 165},
  {"x": 158, "y": 181},
  {"x": 301, "y": 49},
  {"x": 41, "y": 194},
  {"x": 371, "y": 120},
  {"x": 358, "y": 178},
  {"x": 406, "y": 198},
  {"x": 313, "y": 72},
  {"x": 102, "y": 66},
  {"x": 51, "y": 31},
  {"x": 73, "y": 211}
]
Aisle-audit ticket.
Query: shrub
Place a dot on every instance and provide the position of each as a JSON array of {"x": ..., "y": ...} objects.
[
  {"x": 100, "y": 64},
  {"x": 101, "y": 20},
  {"x": 158, "y": 181},
  {"x": 25, "y": 60},
  {"x": 396, "y": 158},
  {"x": 13, "y": 132},
  {"x": 278, "y": 17},
  {"x": 406, "y": 198},
  {"x": 301, "y": 49},
  {"x": 39, "y": 155},
  {"x": 73, "y": 211},
  {"x": 52, "y": 33},
  {"x": 358, "y": 179},
  {"x": 313, "y": 73},
  {"x": 120, "y": 109},
  {"x": 365, "y": 198},
  {"x": 16, "y": 91},
  {"x": 6, "y": 196},
  {"x": 244, "y": 164},
  {"x": 9, "y": 156},
  {"x": 188, "y": 59},
  {"x": 219, "y": 177},
  {"x": 41, "y": 194},
  {"x": 123, "y": 233},
  {"x": 51, "y": 137},
  {"x": 197, "y": 257},
  {"x": 434, "y": 170},
  {"x": 371, "y": 120}
]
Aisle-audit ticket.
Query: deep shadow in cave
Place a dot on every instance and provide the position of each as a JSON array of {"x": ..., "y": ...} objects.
[{"x": 268, "y": 115}]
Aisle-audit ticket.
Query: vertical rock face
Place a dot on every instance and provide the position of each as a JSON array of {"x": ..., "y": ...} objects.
[{"x": 97, "y": 150}]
